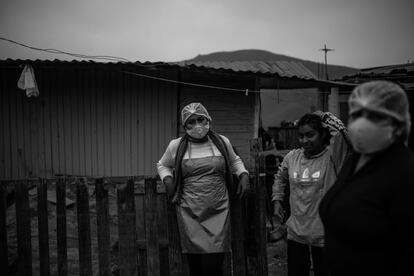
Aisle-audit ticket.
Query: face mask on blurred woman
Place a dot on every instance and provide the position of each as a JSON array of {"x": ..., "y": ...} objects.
[
  {"x": 198, "y": 130},
  {"x": 369, "y": 137}
]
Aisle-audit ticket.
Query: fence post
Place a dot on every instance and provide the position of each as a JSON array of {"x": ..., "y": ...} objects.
[
  {"x": 24, "y": 246},
  {"x": 261, "y": 239},
  {"x": 62, "y": 254},
  {"x": 151, "y": 227},
  {"x": 3, "y": 229},
  {"x": 84, "y": 227},
  {"x": 102, "y": 221},
  {"x": 238, "y": 237},
  {"x": 174, "y": 248},
  {"x": 126, "y": 229},
  {"x": 42, "y": 215}
]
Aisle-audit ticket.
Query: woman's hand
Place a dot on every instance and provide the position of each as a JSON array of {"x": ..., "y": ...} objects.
[
  {"x": 243, "y": 183},
  {"x": 278, "y": 212},
  {"x": 170, "y": 185}
]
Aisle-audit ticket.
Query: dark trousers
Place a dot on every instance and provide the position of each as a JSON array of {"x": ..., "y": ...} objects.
[
  {"x": 299, "y": 259},
  {"x": 206, "y": 264}
]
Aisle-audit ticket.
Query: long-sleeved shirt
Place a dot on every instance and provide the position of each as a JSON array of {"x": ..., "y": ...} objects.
[{"x": 309, "y": 178}]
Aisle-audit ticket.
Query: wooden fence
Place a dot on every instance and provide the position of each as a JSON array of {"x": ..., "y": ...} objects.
[{"x": 147, "y": 239}]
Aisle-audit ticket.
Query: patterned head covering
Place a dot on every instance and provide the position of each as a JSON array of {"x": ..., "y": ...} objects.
[
  {"x": 381, "y": 97},
  {"x": 194, "y": 108}
]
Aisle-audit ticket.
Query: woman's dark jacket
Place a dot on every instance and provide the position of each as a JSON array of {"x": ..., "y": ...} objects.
[{"x": 369, "y": 216}]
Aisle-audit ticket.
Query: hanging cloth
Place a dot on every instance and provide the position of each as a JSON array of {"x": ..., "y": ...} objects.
[{"x": 27, "y": 81}]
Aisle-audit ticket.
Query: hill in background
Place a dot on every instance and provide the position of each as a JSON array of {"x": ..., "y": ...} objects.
[{"x": 335, "y": 71}]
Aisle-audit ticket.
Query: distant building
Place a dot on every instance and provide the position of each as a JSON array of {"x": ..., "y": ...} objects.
[{"x": 402, "y": 74}]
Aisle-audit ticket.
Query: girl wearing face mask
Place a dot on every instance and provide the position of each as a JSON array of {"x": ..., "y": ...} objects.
[
  {"x": 367, "y": 211},
  {"x": 203, "y": 163},
  {"x": 308, "y": 172}
]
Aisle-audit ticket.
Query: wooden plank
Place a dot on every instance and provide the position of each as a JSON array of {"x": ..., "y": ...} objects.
[
  {"x": 102, "y": 221},
  {"x": 238, "y": 237},
  {"x": 42, "y": 214},
  {"x": 84, "y": 227},
  {"x": 140, "y": 226},
  {"x": 3, "y": 229},
  {"x": 164, "y": 267},
  {"x": 151, "y": 223},
  {"x": 227, "y": 264},
  {"x": 62, "y": 254},
  {"x": 174, "y": 248},
  {"x": 261, "y": 240},
  {"x": 24, "y": 246},
  {"x": 126, "y": 229}
]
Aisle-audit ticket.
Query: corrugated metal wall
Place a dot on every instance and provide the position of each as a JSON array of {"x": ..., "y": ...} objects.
[
  {"x": 233, "y": 113},
  {"x": 89, "y": 120}
]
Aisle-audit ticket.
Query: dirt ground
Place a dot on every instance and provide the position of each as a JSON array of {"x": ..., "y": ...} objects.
[{"x": 276, "y": 258}]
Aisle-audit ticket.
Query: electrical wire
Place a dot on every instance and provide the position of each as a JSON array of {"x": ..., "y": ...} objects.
[
  {"x": 56, "y": 51},
  {"x": 246, "y": 91},
  {"x": 120, "y": 59}
]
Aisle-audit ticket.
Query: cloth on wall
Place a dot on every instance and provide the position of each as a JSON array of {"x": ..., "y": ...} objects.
[{"x": 27, "y": 81}]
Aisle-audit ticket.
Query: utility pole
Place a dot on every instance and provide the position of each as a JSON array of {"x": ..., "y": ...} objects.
[{"x": 326, "y": 50}]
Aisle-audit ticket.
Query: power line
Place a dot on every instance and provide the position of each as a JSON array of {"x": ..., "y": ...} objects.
[
  {"x": 246, "y": 91},
  {"x": 56, "y": 51},
  {"x": 120, "y": 59}
]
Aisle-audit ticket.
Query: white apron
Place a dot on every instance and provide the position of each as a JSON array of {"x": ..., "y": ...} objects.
[{"x": 203, "y": 213}]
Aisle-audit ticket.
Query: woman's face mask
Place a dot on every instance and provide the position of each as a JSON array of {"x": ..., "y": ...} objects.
[
  {"x": 369, "y": 137},
  {"x": 197, "y": 127}
]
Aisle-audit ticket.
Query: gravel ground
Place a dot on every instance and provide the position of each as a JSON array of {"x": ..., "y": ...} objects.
[{"x": 276, "y": 258}]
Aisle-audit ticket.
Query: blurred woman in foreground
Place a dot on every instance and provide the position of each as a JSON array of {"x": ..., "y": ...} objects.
[{"x": 367, "y": 213}]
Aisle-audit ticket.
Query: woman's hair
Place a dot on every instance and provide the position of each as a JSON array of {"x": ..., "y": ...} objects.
[{"x": 315, "y": 122}]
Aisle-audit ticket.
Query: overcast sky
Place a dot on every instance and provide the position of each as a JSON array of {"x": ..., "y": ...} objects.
[{"x": 363, "y": 33}]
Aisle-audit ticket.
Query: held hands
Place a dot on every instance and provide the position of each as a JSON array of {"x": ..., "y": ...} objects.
[
  {"x": 278, "y": 229},
  {"x": 242, "y": 186},
  {"x": 278, "y": 212}
]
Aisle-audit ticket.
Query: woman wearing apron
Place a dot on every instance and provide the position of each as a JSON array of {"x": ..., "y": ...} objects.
[{"x": 197, "y": 170}]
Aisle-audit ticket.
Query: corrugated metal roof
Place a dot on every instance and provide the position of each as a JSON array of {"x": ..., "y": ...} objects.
[
  {"x": 389, "y": 70},
  {"x": 287, "y": 69},
  {"x": 281, "y": 68}
]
